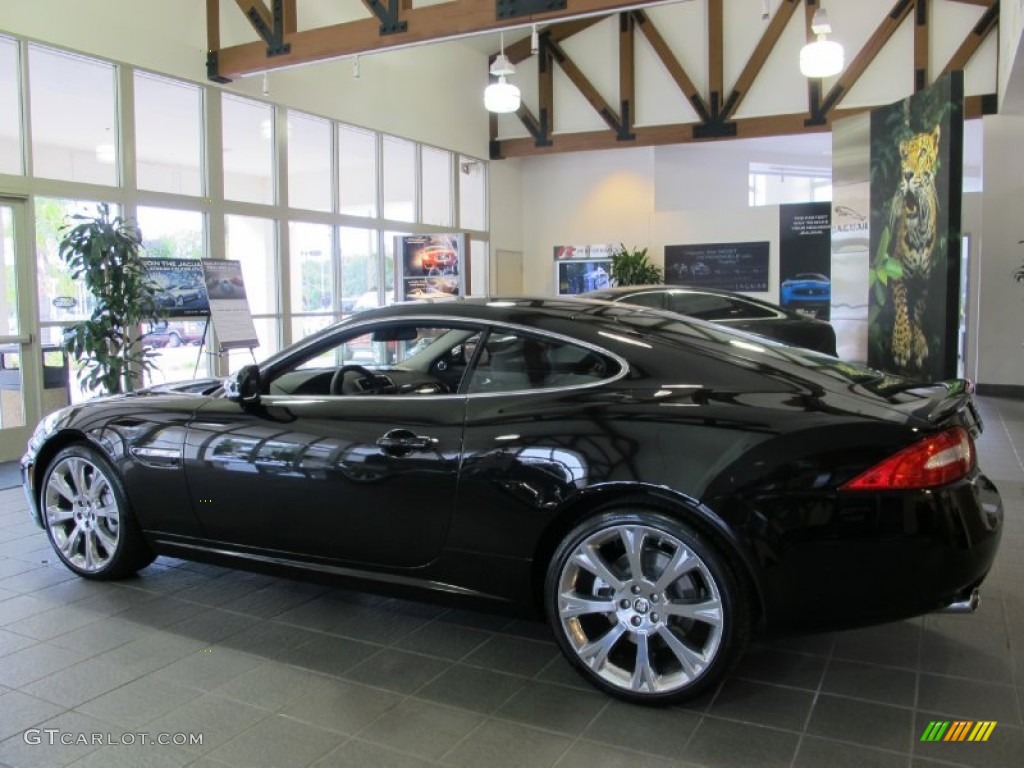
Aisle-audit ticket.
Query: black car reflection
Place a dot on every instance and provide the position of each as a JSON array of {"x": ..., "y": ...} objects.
[{"x": 658, "y": 488}]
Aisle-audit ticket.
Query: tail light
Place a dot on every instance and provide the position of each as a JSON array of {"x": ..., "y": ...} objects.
[{"x": 936, "y": 460}]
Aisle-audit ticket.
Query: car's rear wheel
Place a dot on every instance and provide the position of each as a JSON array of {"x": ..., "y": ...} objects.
[
  {"x": 88, "y": 519},
  {"x": 644, "y": 607}
]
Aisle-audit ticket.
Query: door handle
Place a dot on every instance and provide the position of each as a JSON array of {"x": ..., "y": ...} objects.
[{"x": 403, "y": 439}]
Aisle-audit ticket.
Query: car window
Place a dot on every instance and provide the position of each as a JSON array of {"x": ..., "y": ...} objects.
[
  {"x": 709, "y": 306},
  {"x": 401, "y": 359},
  {"x": 513, "y": 361},
  {"x": 654, "y": 299}
]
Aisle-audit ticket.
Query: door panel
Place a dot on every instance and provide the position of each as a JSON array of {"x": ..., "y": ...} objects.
[{"x": 356, "y": 479}]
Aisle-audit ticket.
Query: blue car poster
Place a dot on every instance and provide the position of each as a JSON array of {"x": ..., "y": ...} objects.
[
  {"x": 805, "y": 258},
  {"x": 181, "y": 290}
]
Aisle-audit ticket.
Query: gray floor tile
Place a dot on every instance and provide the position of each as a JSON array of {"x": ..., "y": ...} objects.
[
  {"x": 21, "y": 607},
  {"x": 278, "y": 741},
  {"x": 893, "y": 645},
  {"x": 19, "y": 711},
  {"x": 137, "y": 756},
  {"x": 862, "y": 722},
  {"x": 50, "y": 624},
  {"x": 214, "y": 719},
  {"x": 886, "y": 685},
  {"x": 355, "y": 753},
  {"x": 445, "y": 641},
  {"x": 139, "y": 702},
  {"x": 553, "y": 707},
  {"x": 472, "y": 688},
  {"x": 968, "y": 699},
  {"x": 515, "y": 655},
  {"x": 100, "y": 636},
  {"x": 271, "y": 685},
  {"x": 816, "y": 752},
  {"x": 11, "y": 642},
  {"x": 397, "y": 670},
  {"x": 796, "y": 670},
  {"x": 35, "y": 662},
  {"x": 80, "y": 683},
  {"x": 49, "y": 750},
  {"x": 421, "y": 728},
  {"x": 209, "y": 668},
  {"x": 268, "y": 640},
  {"x": 662, "y": 732},
  {"x": 329, "y": 654},
  {"x": 373, "y": 623},
  {"x": 340, "y": 706},
  {"x": 588, "y": 754},
  {"x": 150, "y": 652},
  {"x": 499, "y": 744},
  {"x": 723, "y": 744},
  {"x": 762, "y": 704}
]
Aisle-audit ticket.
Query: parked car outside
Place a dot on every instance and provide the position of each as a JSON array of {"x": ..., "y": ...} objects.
[
  {"x": 174, "y": 335},
  {"x": 658, "y": 488},
  {"x": 734, "y": 310}
]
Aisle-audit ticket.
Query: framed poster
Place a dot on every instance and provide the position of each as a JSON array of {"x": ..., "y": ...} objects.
[
  {"x": 574, "y": 276},
  {"x": 181, "y": 287},
  {"x": 430, "y": 266},
  {"x": 229, "y": 307},
  {"x": 805, "y": 258},
  {"x": 726, "y": 266}
]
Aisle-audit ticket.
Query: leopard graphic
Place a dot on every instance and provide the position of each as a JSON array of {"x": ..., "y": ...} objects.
[{"x": 913, "y": 221}]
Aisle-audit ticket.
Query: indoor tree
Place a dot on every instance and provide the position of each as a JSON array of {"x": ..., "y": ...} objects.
[
  {"x": 632, "y": 267},
  {"x": 105, "y": 253}
]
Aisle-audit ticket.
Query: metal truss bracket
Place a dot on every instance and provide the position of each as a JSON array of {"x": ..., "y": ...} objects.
[
  {"x": 513, "y": 9},
  {"x": 213, "y": 69},
  {"x": 388, "y": 16},
  {"x": 274, "y": 38},
  {"x": 715, "y": 129}
]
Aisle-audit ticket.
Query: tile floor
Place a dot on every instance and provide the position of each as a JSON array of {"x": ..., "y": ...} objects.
[{"x": 279, "y": 673}]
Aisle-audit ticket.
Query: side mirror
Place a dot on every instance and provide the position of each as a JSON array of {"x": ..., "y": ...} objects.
[{"x": 244, "y": 386}]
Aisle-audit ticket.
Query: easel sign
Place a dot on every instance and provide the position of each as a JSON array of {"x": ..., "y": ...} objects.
[{"x": 229, "y": 306}]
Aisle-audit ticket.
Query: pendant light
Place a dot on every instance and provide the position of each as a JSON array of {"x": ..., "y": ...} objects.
[
  {"x": 823, "y": 57},
  {"x": 502, "y": 96}
]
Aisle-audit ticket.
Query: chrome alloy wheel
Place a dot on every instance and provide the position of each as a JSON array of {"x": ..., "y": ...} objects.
[
  {"x": 82, "y": 515},
  {"x": 641, "y": 609}
]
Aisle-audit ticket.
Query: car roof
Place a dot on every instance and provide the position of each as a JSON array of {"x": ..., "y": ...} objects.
[{"x": 615, "y": 294}]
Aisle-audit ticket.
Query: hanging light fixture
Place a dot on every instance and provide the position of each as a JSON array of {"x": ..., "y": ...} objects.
[
  {"x": 502, "y": 96},
  {"x": 823, "y": 57}
]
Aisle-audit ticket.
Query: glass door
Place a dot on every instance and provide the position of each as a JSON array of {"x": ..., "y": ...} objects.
[{"x": 20, "y": 359}]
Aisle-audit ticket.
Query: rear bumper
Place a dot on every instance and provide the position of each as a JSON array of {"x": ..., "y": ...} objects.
[{"x": 881, "y": 558}]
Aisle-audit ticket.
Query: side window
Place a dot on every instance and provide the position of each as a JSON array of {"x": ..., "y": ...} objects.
[
  {"x": 510, "y": 362},
  {"x": 705, "y": 306},
  {"x": 653, "y": 299},
  {"x": 388, "y": 359},
  {"x": 746, "y": 310}
]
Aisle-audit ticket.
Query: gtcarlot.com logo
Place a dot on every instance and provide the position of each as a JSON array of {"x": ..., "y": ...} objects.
[
  {"x": 958, "y": 730},
  {"x": 52, "y": 736}
]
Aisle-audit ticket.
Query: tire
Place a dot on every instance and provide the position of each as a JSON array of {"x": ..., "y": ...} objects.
[
  {"x": 87, "y": 517},
  {"x": 613, "y": 626}
]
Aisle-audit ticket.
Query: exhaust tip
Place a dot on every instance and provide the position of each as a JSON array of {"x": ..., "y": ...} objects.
[{"x": 967, "y": 605}]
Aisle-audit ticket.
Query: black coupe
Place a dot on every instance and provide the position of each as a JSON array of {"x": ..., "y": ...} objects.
[
  {"x": 658, "y": 488},
  {"x": 733, "y": 310}
]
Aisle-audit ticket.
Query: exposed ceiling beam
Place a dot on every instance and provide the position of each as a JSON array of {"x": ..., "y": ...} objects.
[
  {"x": 716, "y": 57},
  {"x": 974, "y": 40},
  {"x": 590, "y": 93},
  {"x": 921, "y": 16},
  {"x": 752, "y": 68},
  {"x": 683, "y": 133},
  {"x": 867, "y": 54},
  {"x": 520, "y": 50},
  {"x": 432, "y": 23},
  {"x": 257, "y": 13},
  {"x": 627, "y": 76},
  {"x": 671, "y": 63}
]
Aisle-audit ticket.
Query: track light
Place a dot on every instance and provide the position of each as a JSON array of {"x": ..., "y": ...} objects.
[
  {"x": 266, "y": 84},
  {"x": 764, "y": 10},
  {"x": 534, "y": 41},
  {"x": 355, "y": 67}
]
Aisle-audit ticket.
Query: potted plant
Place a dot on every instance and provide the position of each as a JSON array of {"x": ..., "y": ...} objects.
[
  {"x": 632, "y": 267},
  {"x": 105, "y": 253}
]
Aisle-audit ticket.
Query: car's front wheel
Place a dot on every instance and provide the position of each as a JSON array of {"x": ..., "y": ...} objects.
[
  {"x": 87, "y": 516},
  {"x": 645, "y": 607}
]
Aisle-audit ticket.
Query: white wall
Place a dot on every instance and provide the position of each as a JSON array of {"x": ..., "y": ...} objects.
[{"x": 1000, "y": 352}]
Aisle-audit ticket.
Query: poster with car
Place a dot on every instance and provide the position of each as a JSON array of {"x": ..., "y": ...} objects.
[
  {"x": 229, "y": 307},
  {"x": 181, "y": 290},
  {"x": 601, "y": 251},
  {"x": 739, "y": 267},
  {"x": 431, "y": 266},
  {"x": 579, "y": 276},
  {"x": 805, "y": 258}
]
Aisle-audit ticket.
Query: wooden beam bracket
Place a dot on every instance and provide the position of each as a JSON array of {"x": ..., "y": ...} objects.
[
  {"x": 212, "y": 69},
  {"x": 272, "y": 34},
  {"x": 387, "y": 15}
]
